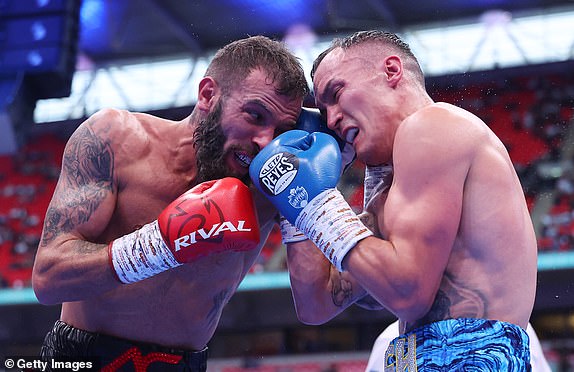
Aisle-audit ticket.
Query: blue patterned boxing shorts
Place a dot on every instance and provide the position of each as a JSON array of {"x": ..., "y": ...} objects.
[{"x": 464, "y": 344}]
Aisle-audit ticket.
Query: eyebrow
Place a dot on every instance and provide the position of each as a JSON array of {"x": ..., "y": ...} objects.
[
  {"x": 264, "y": 107},
  {"x": 257, "y": 102},
  {"x": 328, "y": 88}
]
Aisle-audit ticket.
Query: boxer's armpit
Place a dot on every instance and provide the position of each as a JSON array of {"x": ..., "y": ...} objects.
[{"x": 86, "y": 180}]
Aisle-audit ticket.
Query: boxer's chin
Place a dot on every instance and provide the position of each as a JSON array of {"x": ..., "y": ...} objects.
[
  {"x": 245, "y": 179},
  {"x": 241, "y": 175},
  {"x": 215, "y": 167},
  {"x": 210, "y": 165},
  {"x": 208, "y": 171}
]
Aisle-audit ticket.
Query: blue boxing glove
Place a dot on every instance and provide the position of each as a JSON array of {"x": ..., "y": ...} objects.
[
  {"x": 298, "y": 172},
  {"x": 310, "y": 120}
]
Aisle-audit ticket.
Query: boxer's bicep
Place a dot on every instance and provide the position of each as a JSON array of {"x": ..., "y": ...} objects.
[
  {"x": 68, "y": 262},
  {"x": 422, "y": 212},
  {"x": 84, "y": 198}
]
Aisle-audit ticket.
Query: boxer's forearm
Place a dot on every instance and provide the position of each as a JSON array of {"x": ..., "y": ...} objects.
[
  {"x": 320, "y": 292},
  {"x": 70, "y": 271}
]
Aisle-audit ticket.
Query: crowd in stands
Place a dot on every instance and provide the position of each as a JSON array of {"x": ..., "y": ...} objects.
[
  {"x": 27, "y": 180},
  {"x": 531, "y": 115}
]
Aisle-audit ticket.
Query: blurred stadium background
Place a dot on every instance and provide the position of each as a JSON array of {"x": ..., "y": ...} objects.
[{"x": 509, "y": 61}]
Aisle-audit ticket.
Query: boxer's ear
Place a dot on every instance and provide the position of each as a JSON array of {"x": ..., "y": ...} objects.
[
  {"x": 392, "y": 67},
  {"x": 206, "y": 96}
]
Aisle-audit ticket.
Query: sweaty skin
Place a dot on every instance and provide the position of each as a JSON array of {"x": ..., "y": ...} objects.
[
  {"x": 120, "y": 170},
  {"x": 458, "y": 242}
]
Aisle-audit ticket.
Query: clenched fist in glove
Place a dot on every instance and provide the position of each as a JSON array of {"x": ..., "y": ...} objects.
[
  {"x": 310, "y": 120},
  {"x": 298, "y": 172},
  {"x": 213, "y": 217}
]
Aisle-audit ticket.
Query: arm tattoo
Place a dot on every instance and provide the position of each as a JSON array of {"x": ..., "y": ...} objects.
[
  {"x": 88, "y": 168},
  {"x": 453, "y": 300},
  {"x": 341, "y": 290}
]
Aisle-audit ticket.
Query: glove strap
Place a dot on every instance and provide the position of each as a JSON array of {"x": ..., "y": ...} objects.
[
  {"x": 377, "y": 179},
  {"x": 141, "y": 254},
  {"x": 289, "y": 233},
  {"x": 331, "y": 224}
]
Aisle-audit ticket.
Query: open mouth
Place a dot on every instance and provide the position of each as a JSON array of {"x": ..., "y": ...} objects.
[
  {"x": 351, "y": 135},
  {"x": 243, "y": 159}
]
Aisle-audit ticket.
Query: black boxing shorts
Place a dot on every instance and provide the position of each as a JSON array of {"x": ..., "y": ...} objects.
[{"x": 65, "y": 342}]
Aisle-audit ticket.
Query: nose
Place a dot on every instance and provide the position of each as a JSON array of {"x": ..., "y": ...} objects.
[
  {"x": 264, "y": 136},
  {"x": 334, "y": 117}
]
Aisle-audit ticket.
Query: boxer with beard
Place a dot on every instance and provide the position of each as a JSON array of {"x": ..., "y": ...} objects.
[
  {"x": 209, "y": 140},
  {"x": 150, "y": 229}
]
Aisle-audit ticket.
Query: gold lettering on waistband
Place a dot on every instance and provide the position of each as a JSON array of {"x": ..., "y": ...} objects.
[{"x": 395, "y": 358}]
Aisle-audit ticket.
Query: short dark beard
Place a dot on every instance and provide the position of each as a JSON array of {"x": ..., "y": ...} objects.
[{"x": 209, "y": 141}]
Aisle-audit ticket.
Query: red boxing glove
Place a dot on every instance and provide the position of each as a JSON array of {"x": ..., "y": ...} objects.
[{"x": 213, "y": 217}]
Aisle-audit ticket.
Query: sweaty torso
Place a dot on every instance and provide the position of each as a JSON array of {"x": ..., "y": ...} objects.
[
  {"x": 491, "y": 268},
  {"x": 180, "y": 307}
]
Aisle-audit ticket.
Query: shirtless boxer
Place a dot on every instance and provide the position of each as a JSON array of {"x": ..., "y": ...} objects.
[
  {"x": 141, "y": 286},
  {"x": 454, "y": 253}
]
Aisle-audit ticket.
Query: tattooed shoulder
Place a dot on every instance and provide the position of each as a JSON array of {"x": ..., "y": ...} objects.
[
  {"x": 88, "y": 158},
  {"x": 86, "y": 179}
]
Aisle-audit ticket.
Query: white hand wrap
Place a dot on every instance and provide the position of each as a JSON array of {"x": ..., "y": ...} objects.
[
  {"x": 331, "y": 224},
  {"x": 377, "y": 179},
  {"x": 289, "y": 233},
  {"x": 141, "y": 254}
]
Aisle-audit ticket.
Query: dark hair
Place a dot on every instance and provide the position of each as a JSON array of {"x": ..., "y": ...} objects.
[
  {"x": 233, "y": 63},
  {"x": 374, "y": 36}
]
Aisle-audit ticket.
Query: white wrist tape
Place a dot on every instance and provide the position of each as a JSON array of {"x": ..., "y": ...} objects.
[
  {"x": 331, "y": 224},
  {"x": 141, "y": 254},
  {"x": 289, "y": 233},
  {"x": 377, "y": 179}
]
